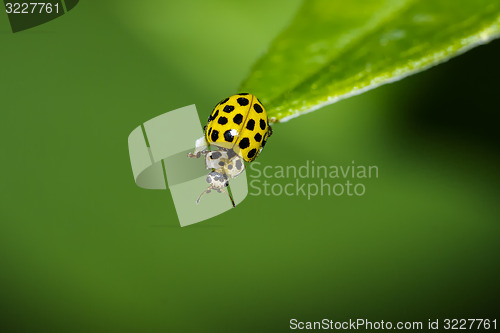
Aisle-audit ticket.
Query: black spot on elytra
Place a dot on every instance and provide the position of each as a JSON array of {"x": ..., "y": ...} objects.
[
  {"x": 231, "y": 154},
  {"x": 213, "y": 115},
  {"x": 262, "y": 124},
  {"x": 239, "y": 164},
  {"x": 221, "y": 163},
  {"x": 228, "y": 136},
  {"x": 215, "y": 135},
  {"x": 250, "y": 124},
  {"x": 242, "y": 101},
  {"x": 222, "y": 120},
  {"x": 257, "y": 108},
  {"x": 258, "y": 137},
  {"x": 243, "y": 94},
  {"x": 224, "y": 101},
  {"x": 209, "y": 179},
  {"x": 230, "y": 167},
  {"x": 215, "y": 155},
  {"x": 238, "y": 118},
  {"x": 252, "y": 153},
  {"x": 228, "y": 108},
  {"x": 244, "y": 143}
]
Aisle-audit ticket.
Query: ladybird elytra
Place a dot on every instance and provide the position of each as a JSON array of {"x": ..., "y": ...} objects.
[{"x": 239, "y": 123}]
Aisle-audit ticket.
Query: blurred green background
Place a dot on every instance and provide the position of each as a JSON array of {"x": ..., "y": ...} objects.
[{"x": 82, "y": 248}]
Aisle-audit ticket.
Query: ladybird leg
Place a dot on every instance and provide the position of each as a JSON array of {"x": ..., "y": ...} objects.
[
  {"x": 200, "y": 146},
  {"x": 229, "y": 195},
  {"x": 192, "y": 155},
  {"x": 198, "y": 153},
  {"x": 270, "y": 132}
]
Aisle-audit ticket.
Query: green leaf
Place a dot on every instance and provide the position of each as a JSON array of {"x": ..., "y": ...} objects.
[{"x": 336, "y": 49}]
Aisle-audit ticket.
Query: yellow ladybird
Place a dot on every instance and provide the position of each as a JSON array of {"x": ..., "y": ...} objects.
[{"x": 239, "y": 123}]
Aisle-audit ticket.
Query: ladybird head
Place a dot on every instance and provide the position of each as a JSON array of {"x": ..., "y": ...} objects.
[{"x": 217, "y": 180}]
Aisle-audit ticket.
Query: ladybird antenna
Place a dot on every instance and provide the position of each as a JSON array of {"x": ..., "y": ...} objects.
[{"x": 206, "y": 191}]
